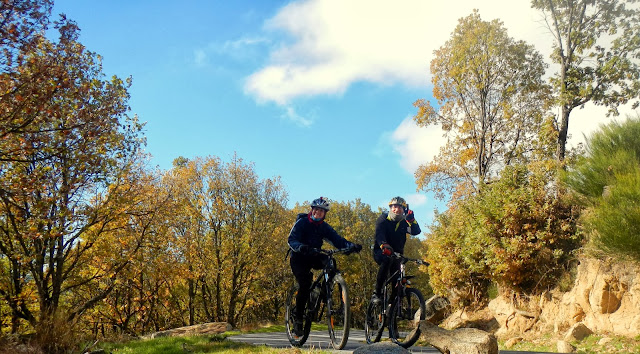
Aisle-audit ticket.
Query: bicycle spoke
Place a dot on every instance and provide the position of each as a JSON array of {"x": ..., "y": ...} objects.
[
  {"x": 338, "y": 313},
  {"x": 374, "y": 325},
  {"x": 290, "y": 317},
  {"x": 406, "y": 317}
]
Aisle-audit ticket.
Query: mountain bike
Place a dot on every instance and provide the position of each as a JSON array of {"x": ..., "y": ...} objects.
[
  {"x": 329, "y": 296},
  {"x": 401, "y": 309}
]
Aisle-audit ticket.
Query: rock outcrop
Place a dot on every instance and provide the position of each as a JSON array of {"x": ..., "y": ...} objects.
[{"x": 605, "y": 298}]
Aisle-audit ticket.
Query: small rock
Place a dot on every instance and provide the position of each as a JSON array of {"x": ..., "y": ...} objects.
[
  {"x": 565, "y": 347},
  {"x": 577, "y": 332},
  {"x": 604, "y": 341},
  {"x": 513, "y": 341}
]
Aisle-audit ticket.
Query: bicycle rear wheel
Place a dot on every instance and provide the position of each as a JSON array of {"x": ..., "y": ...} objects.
[
  {"x": 290, "y": 316},
  {"x": 374, "y": 322},
  {"x": 404, "y": 325},
  {"x": 338, "y": 312}
]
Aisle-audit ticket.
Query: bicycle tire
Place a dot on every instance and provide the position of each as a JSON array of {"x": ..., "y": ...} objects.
[
  {"x": 404, "y": 323},
  {"x": 374, "y": 322},
  {"x": 338, "y": 312},
  {"x": 290, "y": 318}
]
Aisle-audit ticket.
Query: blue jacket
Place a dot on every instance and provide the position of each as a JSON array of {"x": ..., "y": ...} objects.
[{"x": 308, "y": 232}]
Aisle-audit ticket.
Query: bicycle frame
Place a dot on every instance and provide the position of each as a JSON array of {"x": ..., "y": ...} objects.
[
  {"x": 322, "y": 282},
  {"x": 392, "y": 308},
  {"x": 324, "y": 289}
]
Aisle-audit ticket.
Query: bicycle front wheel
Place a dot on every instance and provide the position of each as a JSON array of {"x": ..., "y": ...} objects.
[
  {"x": 338, "y": 312},
  {"x": 374, "y": 322},
  {"x": 290, "y": 317},
  {"x": 406, "y": 314}
]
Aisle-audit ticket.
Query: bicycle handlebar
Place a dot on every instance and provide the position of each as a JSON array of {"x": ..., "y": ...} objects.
[
  {"x": 405, "y": 259},
  {"x": 332, "y": 251}
]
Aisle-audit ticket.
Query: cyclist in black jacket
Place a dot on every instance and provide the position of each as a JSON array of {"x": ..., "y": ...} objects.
[
  {"x": 392, "y": 230},
  {"x": 307, "y": 234}
]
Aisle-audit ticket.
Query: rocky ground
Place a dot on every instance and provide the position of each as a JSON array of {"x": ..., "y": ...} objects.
[{"x": 601, "y": 312}]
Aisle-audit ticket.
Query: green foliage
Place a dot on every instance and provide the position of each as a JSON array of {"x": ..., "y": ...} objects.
[
  {"x": 607, "y": 181},
  {"x": 492, "y": 291},
  {"x": 514, "y": 232}
]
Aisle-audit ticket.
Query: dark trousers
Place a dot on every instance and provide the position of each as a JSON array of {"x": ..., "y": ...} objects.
[
  {"x": 301, "y": 266},
  {"x": 387, "y": 266}
]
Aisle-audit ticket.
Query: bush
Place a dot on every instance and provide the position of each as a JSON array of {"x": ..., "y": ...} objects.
[
  {"x": 607, "y": 182},
  {"x": 515, "y": 232}
]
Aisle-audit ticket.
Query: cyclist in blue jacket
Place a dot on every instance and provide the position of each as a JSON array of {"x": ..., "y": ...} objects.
[
  {"x": 392, "y": 230},
  {"x": 307, "y": 234}
]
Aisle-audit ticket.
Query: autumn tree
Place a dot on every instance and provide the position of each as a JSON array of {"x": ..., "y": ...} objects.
[
  {"x": 27, "y": 83},
  {"x": 23, "y": 22},
  {"x": 597, "y": 46},
  {"x": 233, "y": 221},
  {"x": 66, "y": 141},
  {"x": 140, "y": 300},
  {"x": 490, "y": 103}
]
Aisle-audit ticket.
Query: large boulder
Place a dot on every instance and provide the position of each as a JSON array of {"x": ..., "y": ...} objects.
[
  {"x": 482, "y": 319},
  {"x": 459, "y": 340},
  {"x": 438, "y": 308}
]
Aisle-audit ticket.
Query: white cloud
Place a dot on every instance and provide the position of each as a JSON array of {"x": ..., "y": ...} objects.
[
  {"x": 584, "y": 122},
  {"x": 336, "y": 43},
  {"x": 199, "y": 57},
  {"x": 416, "y": 200},
  {"x": 416, "y": 145},
  {"x": 240, "y": 49},
  {"x": 291, "y": 115},
  {"x": 330, "y": 44}
]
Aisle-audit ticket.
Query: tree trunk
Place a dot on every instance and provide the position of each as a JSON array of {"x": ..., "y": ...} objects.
[
  {"x": 192, "y": 295},
  {"x": 563, "y": 130}
]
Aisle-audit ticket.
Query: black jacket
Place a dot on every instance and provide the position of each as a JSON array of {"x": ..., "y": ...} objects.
[
  {"x": 308, "y": 232},
  {"x": 394, "y": 233}
]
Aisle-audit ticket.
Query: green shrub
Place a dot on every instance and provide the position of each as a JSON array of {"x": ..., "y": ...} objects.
[
  {"x": 515, "y": 232},
  {"x": 607, "y": 182}
]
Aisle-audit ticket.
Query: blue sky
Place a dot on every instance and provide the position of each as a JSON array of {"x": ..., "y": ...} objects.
[{"x": 318, "y": 92}]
